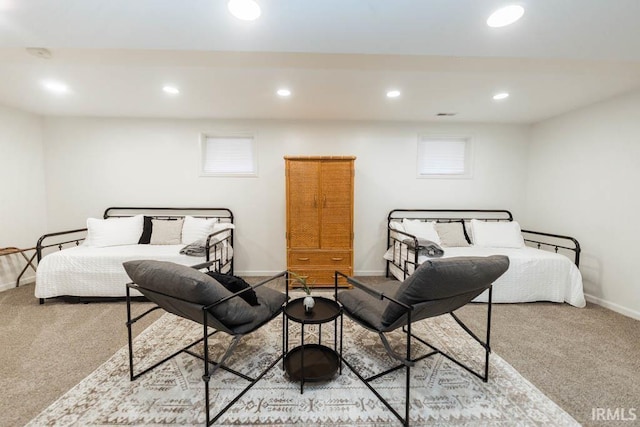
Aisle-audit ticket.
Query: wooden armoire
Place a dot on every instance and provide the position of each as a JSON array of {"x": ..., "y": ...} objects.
[{"x": 320, "y": 217}]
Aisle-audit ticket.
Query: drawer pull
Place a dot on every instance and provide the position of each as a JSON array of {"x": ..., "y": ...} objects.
[
  {"x": 303, "y": 259},
  {"x": 337, "y": 259}
]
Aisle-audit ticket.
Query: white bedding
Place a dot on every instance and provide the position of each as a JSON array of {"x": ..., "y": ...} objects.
[
  {"x": 98, "y": 272},
  {"x": 533, "y": 274}
]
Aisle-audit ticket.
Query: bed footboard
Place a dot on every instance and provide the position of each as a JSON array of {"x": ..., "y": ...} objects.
[
  {"x": 219, "y": 245},
  {"x": 60, "y": 240},
  {"x": 558, "y": 243},
  {"x": 400, "y": 253}
]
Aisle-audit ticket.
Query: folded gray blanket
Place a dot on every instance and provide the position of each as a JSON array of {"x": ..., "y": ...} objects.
[
  {"x": 197, "y": 248},
  {"x": 425, "y": 247}
]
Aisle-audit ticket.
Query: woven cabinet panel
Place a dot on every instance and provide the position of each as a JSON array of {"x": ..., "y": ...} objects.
[
  {"x": 303, "y": 204},
  {"x": 337, "y": 205}
]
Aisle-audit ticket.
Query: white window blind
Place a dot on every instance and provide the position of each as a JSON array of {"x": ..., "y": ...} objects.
[
  {"x": 229, "y": 156},
  {"x": 444, "y": 157}
]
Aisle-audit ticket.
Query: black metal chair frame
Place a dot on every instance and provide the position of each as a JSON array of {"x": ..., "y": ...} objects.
[
  {"x": 406, "y": 361},
  {"x": 208, "y": 373}
]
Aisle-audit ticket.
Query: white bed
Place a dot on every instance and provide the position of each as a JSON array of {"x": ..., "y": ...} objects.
[
  {"x": 83, "y": 268},
  {"x": 97, "y": 272},
  {"x": 533, "y": 275}
]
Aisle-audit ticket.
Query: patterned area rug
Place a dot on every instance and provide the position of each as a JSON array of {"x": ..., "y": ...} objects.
[{"x": 173, "y": 394}]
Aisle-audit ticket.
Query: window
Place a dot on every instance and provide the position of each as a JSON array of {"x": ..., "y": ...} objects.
[
  {"x": 229, "y": 156},
  {"x": 444, "y": 157}
]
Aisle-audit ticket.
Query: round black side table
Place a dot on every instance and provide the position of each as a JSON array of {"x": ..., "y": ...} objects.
[{"x": 312, "y": 362}]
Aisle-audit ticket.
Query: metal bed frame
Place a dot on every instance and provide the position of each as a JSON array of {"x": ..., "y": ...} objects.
[
  {"x": 63, "y": 239},
  {"x": 540, "y": 240}
]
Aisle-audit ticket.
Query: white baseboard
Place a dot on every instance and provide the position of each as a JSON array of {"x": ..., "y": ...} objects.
[
  {"x": 12, "y": 284},
  {"x": 369, "y": 273},
  {"x": 613, "y": 306}
]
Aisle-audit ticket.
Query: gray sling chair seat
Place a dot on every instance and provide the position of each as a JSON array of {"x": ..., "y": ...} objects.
[
  {"x": 438, "y": 286},
  {"x": 192, "y": 294}
]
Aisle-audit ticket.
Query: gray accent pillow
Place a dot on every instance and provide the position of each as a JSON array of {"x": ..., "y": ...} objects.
[
  {"x": 186, "y": 283},
  {"x": 445, "y": 278},
  {"x": 452, "y": 234},
  {"x": 166, "y": 232}
]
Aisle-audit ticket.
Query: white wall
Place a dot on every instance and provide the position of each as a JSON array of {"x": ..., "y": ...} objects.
[
  {"x": 96, "y": 163},
  {"x": 584, "y": 170},
  {"x": 22, "y": 189}
]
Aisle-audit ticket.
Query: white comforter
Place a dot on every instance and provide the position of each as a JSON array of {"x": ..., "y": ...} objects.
[
  {"x": 533, "y": 275},
  {"x": 98, "y": 272}
]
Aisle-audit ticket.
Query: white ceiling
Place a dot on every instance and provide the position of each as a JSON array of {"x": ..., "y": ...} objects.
[{"x": 338, "y": 57}]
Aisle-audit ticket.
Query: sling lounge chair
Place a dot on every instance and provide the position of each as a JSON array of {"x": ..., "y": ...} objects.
[
  {"x": 437, "y": 287},
  {"x": 192, "y": 294}
]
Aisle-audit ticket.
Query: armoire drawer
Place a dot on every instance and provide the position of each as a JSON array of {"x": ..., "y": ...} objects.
[
  {"x": 320, "y": 258},
  {"x": 322, "y": 278}
]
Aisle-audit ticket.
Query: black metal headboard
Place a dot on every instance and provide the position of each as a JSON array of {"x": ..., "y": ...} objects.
[
  {"x": 449, "y": 215},
  {"x": 223, "y": 214},
  {"x": 70, "y": 237},
  {"x": 547, "y": 241}
]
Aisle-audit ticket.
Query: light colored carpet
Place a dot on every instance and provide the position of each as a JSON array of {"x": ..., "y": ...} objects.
[
  {"x": 442, "y": 393},
  {"x": 581, "y": 358}
]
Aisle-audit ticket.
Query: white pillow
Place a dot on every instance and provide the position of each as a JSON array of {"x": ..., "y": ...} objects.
[
  {"x": 219, "y": 226},
  {"x": 396, "y": 225},
  {"x": 497, "y": 234},
  {"x": 114, "y": 231},
  {"x": 423, "y": 229},
  {"x": 196, "y": 229}
]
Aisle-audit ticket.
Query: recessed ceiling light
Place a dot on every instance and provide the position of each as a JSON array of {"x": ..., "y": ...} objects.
[
  {"x": 55, "y": 86},
  {"x": 247, "y": 10},
  {"x": 284, "y": 92},
  {"x": 393, "y": 93},
  {"x": 501, "y": 95},
  {"x": 171, "y": 90},
  {"x": 505, "y": 16}
]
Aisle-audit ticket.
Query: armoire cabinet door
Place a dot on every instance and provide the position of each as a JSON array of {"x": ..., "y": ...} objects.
[
  {"x": 303, "y": 204},
  {"x": 337, "y": 205}
]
